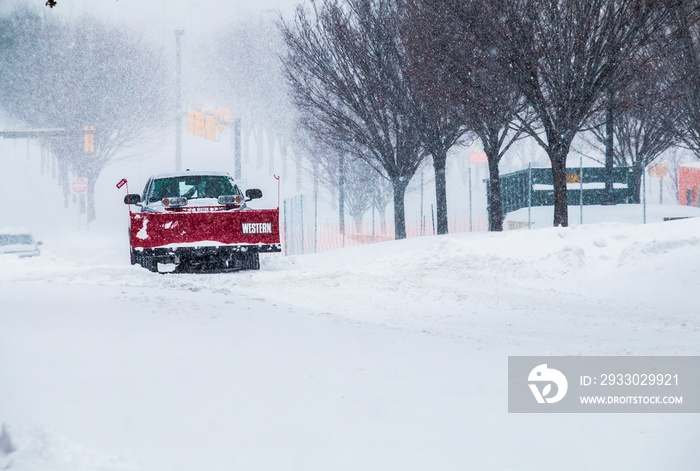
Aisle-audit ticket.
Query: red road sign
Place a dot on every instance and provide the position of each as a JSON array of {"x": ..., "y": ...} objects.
[
  {"x": 79, "y": 185},
  {"x": 479, "y": 157},
  {"x": 658, "y": 170}
]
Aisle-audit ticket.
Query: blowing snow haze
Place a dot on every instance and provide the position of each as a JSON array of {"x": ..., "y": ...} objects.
[
  {"x": 350, "y": 350},
  {"x": 159, "y": 17},
  {"x": 82, "y": 74}
]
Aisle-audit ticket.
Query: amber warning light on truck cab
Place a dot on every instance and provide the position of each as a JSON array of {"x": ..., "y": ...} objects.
[
  {"x": 176, "y": 202},
  {"x": 229, "y": 200}
]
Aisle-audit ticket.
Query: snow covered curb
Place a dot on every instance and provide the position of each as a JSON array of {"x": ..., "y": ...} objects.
[{"x": 35, "y": 449}]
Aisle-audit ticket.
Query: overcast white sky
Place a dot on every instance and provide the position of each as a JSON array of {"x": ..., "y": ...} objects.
[{"x": 164, "y": 16}]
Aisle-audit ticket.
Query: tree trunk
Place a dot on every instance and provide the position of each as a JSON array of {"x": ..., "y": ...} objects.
[
  {"x": 271, "y": 138},
  {"x": 609, "y": 150},
  {"x": 92, "y": 176},
  {"x": 63, "y": 177},
  {"x": 91, "y": 213},
  {"x": 260, "y": 151},
  {"x": 495, "y": 206},
  {"x": 439, "y": 163},
  {"x": 358, "y": 225},
  {"x": 561, "y": 209},
  {"x": 382, "y": 220},
  {"x": 285, "y": 160},
  {"x": 245, "y": 138},
  {"x": 399, "y": 187},
  {"x": 636, "y": 182}
]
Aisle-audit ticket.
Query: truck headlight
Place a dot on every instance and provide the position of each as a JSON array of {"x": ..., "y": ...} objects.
[
  {"x": 228, "y": 200},
  {"x": 175, "y": 202}
]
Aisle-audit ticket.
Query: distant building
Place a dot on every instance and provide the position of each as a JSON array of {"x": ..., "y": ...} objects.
[{"x": 689, "y": 184}]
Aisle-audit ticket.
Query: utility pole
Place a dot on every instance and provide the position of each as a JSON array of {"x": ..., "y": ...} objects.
[
  {"x": 178, "y": 99},
  {"x": 237, "y": 148}
]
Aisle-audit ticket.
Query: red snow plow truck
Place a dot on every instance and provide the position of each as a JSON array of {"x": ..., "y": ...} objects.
[{"x": 199, "y": 222}]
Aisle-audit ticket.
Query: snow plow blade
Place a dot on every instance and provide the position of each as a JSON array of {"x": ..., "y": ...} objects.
[{"x": 203, "y": 239}]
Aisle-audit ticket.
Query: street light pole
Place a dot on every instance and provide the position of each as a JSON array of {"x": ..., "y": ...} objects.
[{"x": 178, "y": 100}]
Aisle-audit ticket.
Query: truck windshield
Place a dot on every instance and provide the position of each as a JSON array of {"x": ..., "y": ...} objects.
[
  {"x": 194, "y": 186},
  {"x": 16, "y": 239}
]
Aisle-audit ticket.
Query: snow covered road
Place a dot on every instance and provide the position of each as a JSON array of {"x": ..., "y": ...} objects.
[{"x": 391, "y": 356}]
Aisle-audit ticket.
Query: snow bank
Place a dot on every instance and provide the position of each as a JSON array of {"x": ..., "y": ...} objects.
[
  {"x": 642, "y": 273},
  {"x": 35, "y": 449}
]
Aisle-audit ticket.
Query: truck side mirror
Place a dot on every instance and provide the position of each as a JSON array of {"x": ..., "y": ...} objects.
[
  {"x": 132, "y": 199},
  {"x": 253, "y": 194}
]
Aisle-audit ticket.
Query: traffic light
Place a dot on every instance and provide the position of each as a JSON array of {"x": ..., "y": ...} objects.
[
  {"x": 210, "y": 128},
  {"x": 89, "y": 139},
  {"x": 199, "y": 123},
  {"x": 195, "y": 123},
  {"x": 190, "y": 121},
  {"x": 207, "y": 124}
]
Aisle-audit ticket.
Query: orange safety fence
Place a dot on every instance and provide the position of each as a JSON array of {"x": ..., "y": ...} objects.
[{"x": 330, "y": 237}]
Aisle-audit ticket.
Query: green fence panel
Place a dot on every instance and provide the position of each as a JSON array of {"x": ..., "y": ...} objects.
[{"x": 515, "y": 188}]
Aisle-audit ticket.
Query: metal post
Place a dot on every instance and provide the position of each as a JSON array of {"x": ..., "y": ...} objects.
[
  {"x": 529, "y": 195},
  {"x": 301, "y": 216},
  {"x": 315, "y": 206},
  {"x": 315, "y": 221},
  {"x": 341, "y": 196},
  {"x": 644, "y": 194},
  {"x": 471, "y": 227},
  {"x": 178, "y": 99},
  {"x": 421, "y": 203},
  {"x": 286, "y": 231},
  {"x": 374, "y": 203},
  {"x": 580, "y": 180}
]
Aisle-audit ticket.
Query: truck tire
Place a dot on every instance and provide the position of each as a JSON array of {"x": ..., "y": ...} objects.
[
  {"x": 249, "y": 261},
  {"x": 149, "y": 262},
  {"x": 253, "y": 261}
]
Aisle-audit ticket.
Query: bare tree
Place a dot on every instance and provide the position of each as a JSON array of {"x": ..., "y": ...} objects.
[
  {"x": 241, "y": 69},
  {"x": 643, "y": 120},
  {"x": 78, "y": 74},
  {"x": 347, "y": 69},
  {"x": 439, "y": 110},
  {"x": 683, "y": 65},
  {"x": 562, "y": 55},
  {"x": 459, "y": 71},
  {"x": 352, "y": 178}
]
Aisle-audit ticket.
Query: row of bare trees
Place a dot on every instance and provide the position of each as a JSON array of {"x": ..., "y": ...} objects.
[
  {"x": 394, "y": 81},
  {"x": 68, "y": 74}
]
